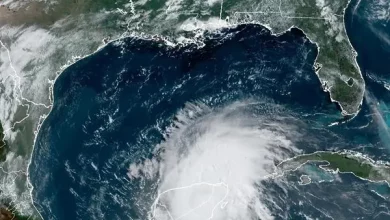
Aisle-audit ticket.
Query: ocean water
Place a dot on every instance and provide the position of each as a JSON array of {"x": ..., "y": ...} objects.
[
  {"x": 369, "y": 33},
  {"x": 141, "y": 130}
]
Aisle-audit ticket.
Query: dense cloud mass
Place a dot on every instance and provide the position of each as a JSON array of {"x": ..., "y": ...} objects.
[{"x": 212, "y": 163}]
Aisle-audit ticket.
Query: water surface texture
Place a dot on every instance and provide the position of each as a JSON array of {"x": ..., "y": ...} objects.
[{"x": 141, "y": 130}]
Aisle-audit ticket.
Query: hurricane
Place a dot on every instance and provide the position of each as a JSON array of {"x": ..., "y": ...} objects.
[
  {"x": 143, "y": 129},
  {"x": 213, "y": 161}
]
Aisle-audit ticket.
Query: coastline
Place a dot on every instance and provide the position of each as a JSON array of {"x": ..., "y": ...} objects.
[
  {"x": 171, "y": 43},
  {"x": 299, "y": 40},
  {"x": 356, "y": 155}
]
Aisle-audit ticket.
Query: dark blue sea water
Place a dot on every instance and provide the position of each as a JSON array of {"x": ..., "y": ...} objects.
[
  {"x": 111, "y": 109},
  {"x": 370, "y": 36}
]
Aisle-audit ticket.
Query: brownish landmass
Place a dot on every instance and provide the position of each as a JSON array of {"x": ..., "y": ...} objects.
[
  {"x": 5, "y": 214},
  {"x": 75, "y": 20},
  {"x": 45, "y": 14},
  {"x": 32, "y": 13},
  {"x": 52, "y": 25}
]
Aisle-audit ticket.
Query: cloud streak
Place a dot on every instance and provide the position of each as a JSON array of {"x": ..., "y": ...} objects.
[{"x": 212, "y": 164}]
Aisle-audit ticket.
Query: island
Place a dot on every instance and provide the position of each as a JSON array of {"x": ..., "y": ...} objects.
[
  {"x": 342, "y": 162},
  {"x": 66, "y": 29}
]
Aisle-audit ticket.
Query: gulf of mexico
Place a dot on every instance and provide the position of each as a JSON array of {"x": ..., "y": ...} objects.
[{"x": 112, "y": 108}]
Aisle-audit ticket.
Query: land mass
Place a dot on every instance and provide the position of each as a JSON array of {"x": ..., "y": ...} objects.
[
  {"x": 343, "y": 162},
  {"x": 7, "y": 213},
  {"x": 323, "y": 23},
  {"x": 41, "y": 37}
]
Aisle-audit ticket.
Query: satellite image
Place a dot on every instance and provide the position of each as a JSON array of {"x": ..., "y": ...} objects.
[{"x": 194, "y": 110}]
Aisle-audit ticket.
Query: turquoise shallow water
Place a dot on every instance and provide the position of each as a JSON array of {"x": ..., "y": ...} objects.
[{"x": 113, "y": 108}]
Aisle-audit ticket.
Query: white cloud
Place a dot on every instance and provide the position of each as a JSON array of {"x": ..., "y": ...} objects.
[
  {"x": 212, "y": 23},
  {"x": 37, "y": 55},
  {"x": 213, "y": 2},
  {"x": 213, "y": 165}
]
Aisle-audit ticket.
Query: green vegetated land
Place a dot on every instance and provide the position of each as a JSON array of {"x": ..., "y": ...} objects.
[
  {"x": 343, "y": 162},
  {"x": 8, "y": 212},
  {"x": 153, "y": 17},
  {"x": 324, "y": 25}
]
